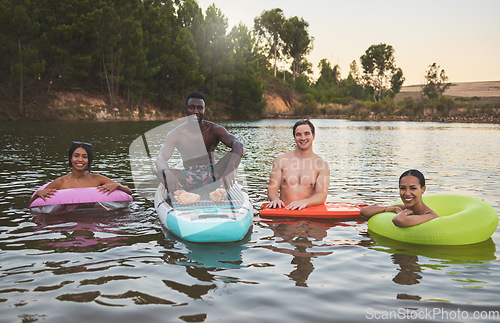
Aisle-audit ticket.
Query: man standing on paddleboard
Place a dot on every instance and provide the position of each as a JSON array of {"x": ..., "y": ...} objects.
[
  {"x": 196, "y": 140},
  {"x": 299, "y": 178}
]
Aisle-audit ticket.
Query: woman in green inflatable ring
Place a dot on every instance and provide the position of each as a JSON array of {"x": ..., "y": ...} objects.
[{"x": 413, "y": 211}]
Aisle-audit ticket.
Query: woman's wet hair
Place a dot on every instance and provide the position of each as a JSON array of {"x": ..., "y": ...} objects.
[
  {"x": 416, "y": 173},
  {"x": 84, "y": 145},
  {"x": 301, "y": 122}
]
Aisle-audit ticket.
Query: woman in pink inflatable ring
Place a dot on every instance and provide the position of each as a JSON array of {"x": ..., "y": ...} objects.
[{"x": 80, "y": 159}]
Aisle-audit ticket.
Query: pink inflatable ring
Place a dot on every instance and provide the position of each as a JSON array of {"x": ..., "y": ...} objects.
[{"x": 85, "y": 199}]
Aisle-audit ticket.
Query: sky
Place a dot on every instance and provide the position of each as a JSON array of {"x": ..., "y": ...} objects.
[{"x": 461, "y": 36}]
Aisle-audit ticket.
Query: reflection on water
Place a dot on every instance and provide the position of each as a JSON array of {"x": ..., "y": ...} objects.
[
  {"x": 213, "y": 255},
  {"x": 303, "y": 237},
  {"x": 79, "y": 232},
  {"x": 86, "y": 267},
  {"x": 453, "y": 254},
  {"x": 408, "y": 271}
]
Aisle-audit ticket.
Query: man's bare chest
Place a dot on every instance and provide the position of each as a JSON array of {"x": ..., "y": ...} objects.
[{"x": 298, "y": 175}]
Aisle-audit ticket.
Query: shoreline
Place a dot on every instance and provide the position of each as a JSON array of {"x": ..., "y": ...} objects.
[
  {"x": 81, "y": 105},
  {"x": 455, "y": 119},
  {"x": 488, "y": 120}
]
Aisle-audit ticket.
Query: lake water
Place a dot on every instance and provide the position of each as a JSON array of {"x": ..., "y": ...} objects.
[{"x": 123, "y": 267}]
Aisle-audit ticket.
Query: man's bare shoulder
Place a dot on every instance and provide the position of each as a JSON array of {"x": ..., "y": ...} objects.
[
  {"x": 319, "y": 158},
  {"x": 176, "y": 131},
  {"x": 180, "y": 132},
  {"x": 320, "y": 163},
  {"x": 207, "y": 123},
  {"x": 284, "y": 156},
  {"x": 214, "y": 128},
  {"x": 283, "y": 160}
]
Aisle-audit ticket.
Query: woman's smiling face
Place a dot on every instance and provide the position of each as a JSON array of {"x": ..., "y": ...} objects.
[
  {"x": 80, "y": 159},
  {"x": 410, "y": 190}
]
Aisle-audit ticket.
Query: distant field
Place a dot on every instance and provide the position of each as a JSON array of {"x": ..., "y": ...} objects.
[{"x": 490, "y": 89}]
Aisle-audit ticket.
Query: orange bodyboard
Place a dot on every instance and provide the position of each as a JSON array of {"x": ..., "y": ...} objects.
[{"x": 329, "y": 210}]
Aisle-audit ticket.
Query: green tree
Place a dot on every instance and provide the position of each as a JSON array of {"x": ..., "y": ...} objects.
[
  {"x": 327, "y": 85},
  {"x": 111, "y": 52},
  {"x": 269, "y": 28},
  {"x": 397, "y": 81},
  {"x": 183, "y": 67},
  {"x": 247, "y": 88},
  {"x": 352, "y": 85},
  {"x": 20, "y": 30},
  {"x": 328, "y": 75},
  {"x": 181, "y": 70},
  {"x": 158, "y": 25},
  {"x": 190, "y": 16},
  {"x": 298, "y": 43},
  {"x": 436, "y": 82},
  {"x": 70, "y": 32},
  {"x": 354, "y": 72},
  {"x": 125, "y": 43},
  {"x": 136, "y": 66},
  {"x": 378, "y": 64},
  {"x": 216, "y": 56}
]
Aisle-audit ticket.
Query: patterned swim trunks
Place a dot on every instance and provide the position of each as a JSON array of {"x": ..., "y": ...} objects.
[{"x": 199, "y": 175}]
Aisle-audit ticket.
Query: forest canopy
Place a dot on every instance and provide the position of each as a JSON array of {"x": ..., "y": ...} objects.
[{"x": 157, "y": 51}]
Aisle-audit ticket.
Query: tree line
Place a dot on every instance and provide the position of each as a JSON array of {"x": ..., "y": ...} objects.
[{"x": 158, "y": 50}]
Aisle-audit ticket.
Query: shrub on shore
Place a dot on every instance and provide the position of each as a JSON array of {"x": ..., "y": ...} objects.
[{"x": 440, "y": 109}]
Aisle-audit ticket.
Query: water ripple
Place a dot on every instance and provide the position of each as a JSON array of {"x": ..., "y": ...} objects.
[{"x": 85, "y": 267}]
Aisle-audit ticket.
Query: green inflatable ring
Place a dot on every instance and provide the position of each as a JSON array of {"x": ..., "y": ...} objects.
[{"x": 462, "y": 220}]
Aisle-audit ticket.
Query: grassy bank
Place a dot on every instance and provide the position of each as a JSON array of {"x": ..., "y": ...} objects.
[
  {"x": 282, "y": 102},
  {"x": 444, "y": 109}
]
